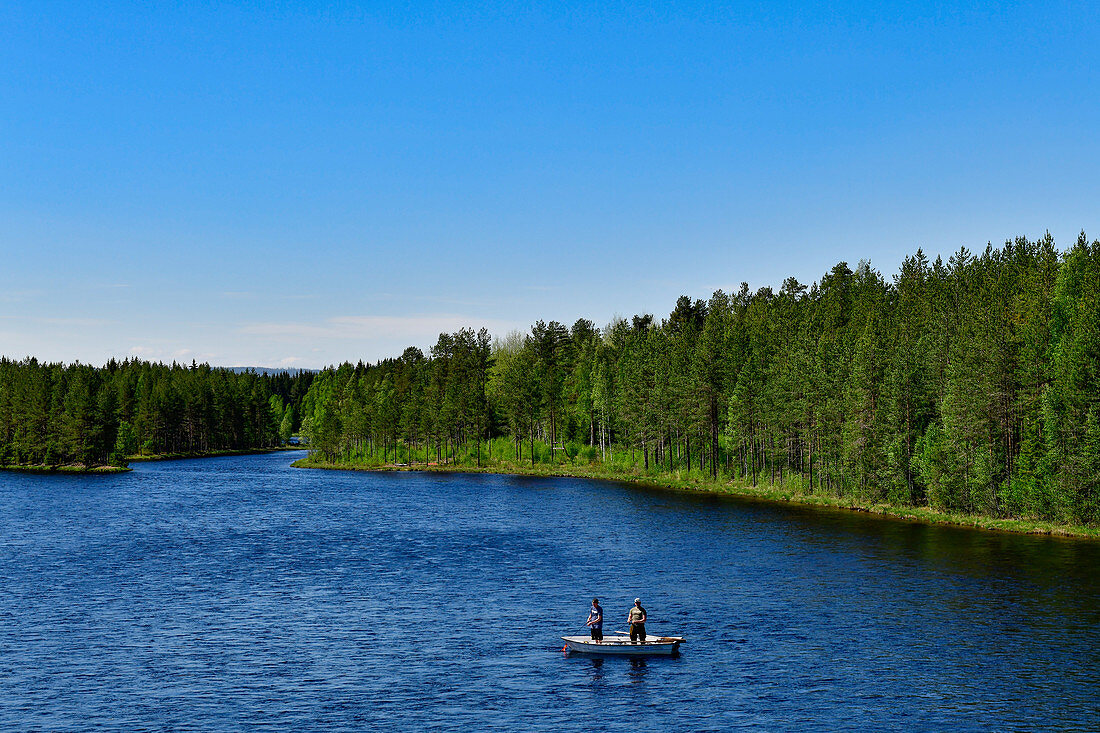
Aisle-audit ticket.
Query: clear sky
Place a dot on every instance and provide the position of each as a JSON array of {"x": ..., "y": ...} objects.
[{"x": 299, "y": 184}]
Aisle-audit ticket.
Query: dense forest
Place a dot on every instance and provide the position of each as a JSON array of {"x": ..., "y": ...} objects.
[
  {"x": 56, "y": 414},
  {"x": 969, "y": 386}
]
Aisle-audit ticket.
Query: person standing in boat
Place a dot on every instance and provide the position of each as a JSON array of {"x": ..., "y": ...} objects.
[
  {"x": 636, "y": 618},
  {"x": 595, "y": 621}
]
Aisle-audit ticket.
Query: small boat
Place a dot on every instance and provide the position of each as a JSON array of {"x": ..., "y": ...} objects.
[{"x": 653, "y": 645}]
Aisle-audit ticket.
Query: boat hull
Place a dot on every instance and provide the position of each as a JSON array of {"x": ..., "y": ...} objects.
[{"x": 660, "y": 646}]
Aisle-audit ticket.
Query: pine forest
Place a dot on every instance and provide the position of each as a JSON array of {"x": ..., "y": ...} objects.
[
  {"x": 968, "y": 386},
  {"x": 971, "y": 386},
  {"x": 55, "y": 414}
]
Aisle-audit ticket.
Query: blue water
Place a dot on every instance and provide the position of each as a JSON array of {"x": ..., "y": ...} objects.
[{"x": 238, "y": 593}]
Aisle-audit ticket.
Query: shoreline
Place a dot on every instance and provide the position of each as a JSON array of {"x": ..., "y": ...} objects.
[
  {"x": 775, "y": 493},
  {"x": 208, "y": 454},
  {"x": 79, "y": 469},
  {"x": 73, "y": 470}
]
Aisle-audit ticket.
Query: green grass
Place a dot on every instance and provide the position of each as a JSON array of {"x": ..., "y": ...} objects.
[
  {"x": 64, "y": 469},
  {"x": 703, "y": 483},
  {"x": 203, "y": 454}
]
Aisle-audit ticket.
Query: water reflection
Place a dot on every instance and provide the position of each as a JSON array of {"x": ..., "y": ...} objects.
[
  {"x": 637, "y": 669},
  {"x": 595, "y": 676}
]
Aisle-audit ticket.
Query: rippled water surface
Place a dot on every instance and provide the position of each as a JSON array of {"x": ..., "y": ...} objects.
[{"x": 234, "y": 593}]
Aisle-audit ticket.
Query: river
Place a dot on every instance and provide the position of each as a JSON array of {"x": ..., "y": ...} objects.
[{"x": 233, "y": 593}]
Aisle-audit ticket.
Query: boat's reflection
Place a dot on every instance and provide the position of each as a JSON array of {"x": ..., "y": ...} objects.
[
  {"x": 595, "y": 676},
  {"x": 636, "y": 673},
  {"x": 637, "y": 670}
]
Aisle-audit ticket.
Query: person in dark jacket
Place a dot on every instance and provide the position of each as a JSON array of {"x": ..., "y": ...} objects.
[{"x": 595, "y": 621}]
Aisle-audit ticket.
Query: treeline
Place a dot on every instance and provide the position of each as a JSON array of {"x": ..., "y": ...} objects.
[
  {"x": 969, "y": 385},
  {"x": 57, "y": 414}
]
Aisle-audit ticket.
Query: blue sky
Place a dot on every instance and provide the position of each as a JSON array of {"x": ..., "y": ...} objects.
[{"x": 300, "y": 184}]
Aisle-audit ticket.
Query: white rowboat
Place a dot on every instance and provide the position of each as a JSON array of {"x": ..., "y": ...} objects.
[{"x": 653, "y": 645}]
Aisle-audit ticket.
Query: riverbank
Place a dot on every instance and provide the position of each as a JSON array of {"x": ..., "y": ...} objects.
[
  {"x": 779, "y": 493},
  {"x": 207, "y": 454},
  {"x": 75, "y": 469},
  {"x": 80, "y": 469}
]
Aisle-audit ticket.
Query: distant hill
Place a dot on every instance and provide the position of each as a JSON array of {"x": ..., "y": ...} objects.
[{"x": 271, "y": 371}]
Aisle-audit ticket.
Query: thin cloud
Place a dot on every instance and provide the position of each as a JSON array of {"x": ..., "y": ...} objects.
[
  {"x": 465, "y": 302},
  {"x": 152, "y": 353},
  {"x": 19, "y": 296},
  {"x": 446, "y": 301},
  {"x": 79, "y": 322},
  {"x": 375, "y": 327}
]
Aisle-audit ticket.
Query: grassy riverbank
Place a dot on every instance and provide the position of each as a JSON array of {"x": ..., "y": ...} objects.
[
  {"x": 64, "y": 469},
  {"x": 697, "y": 482},
  {"x": 78, "y": 468},
  {"x": 206, "y": 454}
]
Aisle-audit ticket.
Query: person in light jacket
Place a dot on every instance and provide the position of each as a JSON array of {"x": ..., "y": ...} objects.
[{"x": 636, "y": 618}]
